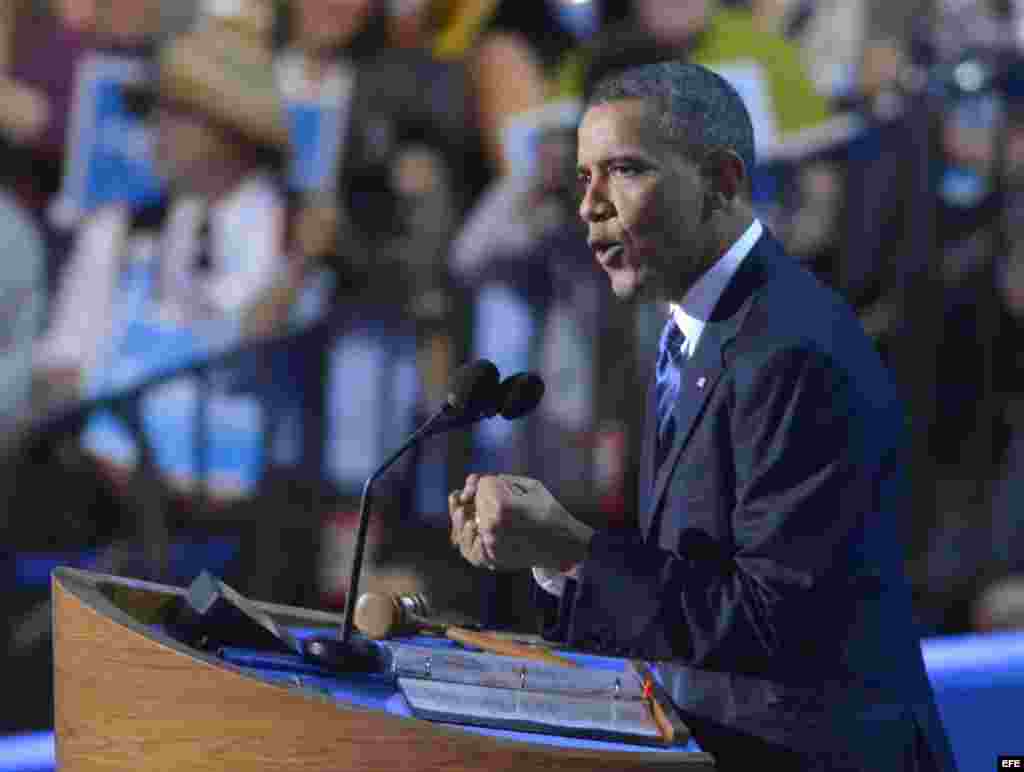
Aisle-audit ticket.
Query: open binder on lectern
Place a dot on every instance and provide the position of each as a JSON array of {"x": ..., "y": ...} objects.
[{"x": 503, "y": 692}]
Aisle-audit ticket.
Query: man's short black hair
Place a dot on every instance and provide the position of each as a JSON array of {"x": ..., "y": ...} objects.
[{"x": 694, "y": 106}]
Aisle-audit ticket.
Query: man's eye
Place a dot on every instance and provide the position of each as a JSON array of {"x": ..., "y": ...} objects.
[{"x": 625, "y": 170}]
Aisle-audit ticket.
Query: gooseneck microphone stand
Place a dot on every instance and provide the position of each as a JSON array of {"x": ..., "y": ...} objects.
[
  {"x": 364, "y": 519},
  {"x": 475, "y": 394}
]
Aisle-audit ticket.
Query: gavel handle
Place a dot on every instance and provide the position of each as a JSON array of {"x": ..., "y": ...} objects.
[{"x": 506, "y": 647}]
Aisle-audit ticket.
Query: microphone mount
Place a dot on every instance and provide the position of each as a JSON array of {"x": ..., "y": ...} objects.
[{"x": 476, "y": 394}]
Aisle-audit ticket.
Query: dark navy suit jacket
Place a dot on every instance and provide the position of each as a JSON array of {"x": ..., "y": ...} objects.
[{"x": 766, "y": 574}]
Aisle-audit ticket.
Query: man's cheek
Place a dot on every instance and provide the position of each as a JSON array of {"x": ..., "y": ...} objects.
[
  {"x": 640, "y": 225},
  {"x": 648, "y": 218}
]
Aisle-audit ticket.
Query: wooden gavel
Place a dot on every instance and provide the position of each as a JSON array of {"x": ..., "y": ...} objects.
[{"x": 380, "y": 616}]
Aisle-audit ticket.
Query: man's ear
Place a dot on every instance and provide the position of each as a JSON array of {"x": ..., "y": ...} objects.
[
  {"x": 713, "y": 202},
  {"x": 725, "y": 174}
]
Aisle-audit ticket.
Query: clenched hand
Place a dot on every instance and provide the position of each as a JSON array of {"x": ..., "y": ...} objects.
[{"x": 507, "y": 523}]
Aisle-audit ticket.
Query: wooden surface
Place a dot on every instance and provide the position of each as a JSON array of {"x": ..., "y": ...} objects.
[{"x": 128, "y": 698}]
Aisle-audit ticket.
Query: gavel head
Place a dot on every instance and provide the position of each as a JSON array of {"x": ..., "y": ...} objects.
[
  {"x": 393, "y": 604},
  {"x": 378, "y": 615}
]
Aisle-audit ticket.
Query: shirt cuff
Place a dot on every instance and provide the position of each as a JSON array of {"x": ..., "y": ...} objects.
[{"x": 554, "y": 583}]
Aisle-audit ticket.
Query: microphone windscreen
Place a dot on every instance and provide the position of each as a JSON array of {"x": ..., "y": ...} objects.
[
  {"x": 522, "y": 394},
  {"x": 475, "y": 386}
]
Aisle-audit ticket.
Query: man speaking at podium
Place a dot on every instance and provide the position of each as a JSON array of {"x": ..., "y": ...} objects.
[{"x": 765, "y": 575}]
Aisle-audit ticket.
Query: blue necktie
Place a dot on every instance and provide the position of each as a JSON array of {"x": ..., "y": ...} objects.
[{"x": 667, "y": 380}]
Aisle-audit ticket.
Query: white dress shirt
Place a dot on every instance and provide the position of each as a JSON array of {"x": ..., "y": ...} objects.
[
  {"x": 693, "y": 312},
  {"x": 692, "y": 315}
]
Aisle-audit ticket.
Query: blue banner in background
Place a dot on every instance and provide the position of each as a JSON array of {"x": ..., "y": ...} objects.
[
  {"x": 110, "y": 150},
  {"x": 317, "y": 110},
  {"x": 316, "y": 143},
  {"x": 234, "y": 421}
]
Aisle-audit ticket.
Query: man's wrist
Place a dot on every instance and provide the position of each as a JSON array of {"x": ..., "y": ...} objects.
[
  {"x": 586, "y": 536},
  {"x": 578, "y": 548}
]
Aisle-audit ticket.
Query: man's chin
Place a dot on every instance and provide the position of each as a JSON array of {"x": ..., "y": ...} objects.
[
  {"x": 630, "y": 286},
  {"x": 625, "y": 292}
]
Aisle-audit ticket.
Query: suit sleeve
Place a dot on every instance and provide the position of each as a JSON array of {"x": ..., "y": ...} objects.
[{"x": 801, "y": 489}]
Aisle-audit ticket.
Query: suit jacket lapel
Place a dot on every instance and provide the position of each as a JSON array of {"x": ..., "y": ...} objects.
[
  {"x": 704, "y": 370},
  {"x": 699, "y": 377}
]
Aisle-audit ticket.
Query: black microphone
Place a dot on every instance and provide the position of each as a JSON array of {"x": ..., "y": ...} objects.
[
  {"x": 521, "y": 393},
  {"x": 514, "y": 397},
  {"x": 476, "y": 390}
]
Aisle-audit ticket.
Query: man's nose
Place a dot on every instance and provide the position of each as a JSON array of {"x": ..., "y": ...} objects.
[{"x": 595, "y": 206}]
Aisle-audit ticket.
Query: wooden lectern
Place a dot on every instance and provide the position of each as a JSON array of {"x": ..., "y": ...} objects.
[{"x": 129, "y": 697}]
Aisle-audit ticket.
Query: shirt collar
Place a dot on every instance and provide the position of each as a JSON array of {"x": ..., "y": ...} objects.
[{"x": 695, "y": 309}]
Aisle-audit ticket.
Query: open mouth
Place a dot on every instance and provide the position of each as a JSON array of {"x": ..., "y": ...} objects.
[{"x": 608, "y": 252}]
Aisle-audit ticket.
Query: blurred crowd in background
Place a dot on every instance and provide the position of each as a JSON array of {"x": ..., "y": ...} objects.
[{"x": 338, "y": 202}]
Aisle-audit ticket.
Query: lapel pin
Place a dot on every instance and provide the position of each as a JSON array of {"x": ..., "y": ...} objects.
[{"x": 701, "y": 382}]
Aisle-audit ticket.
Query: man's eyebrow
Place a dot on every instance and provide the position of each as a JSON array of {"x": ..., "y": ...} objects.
[{"x": 633, "y": 158}]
